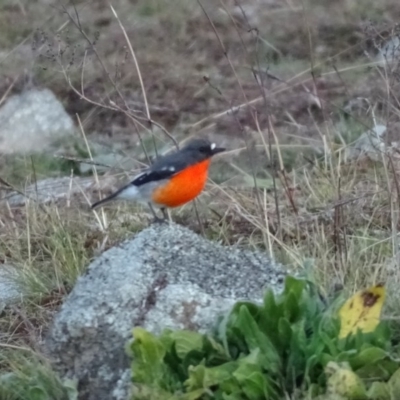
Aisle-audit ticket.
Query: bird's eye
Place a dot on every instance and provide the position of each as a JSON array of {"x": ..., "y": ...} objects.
[{"x": 205, "y": 149}]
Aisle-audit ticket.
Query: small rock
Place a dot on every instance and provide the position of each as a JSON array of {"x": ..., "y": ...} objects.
[
  {"x": 357, "y": 106},
  {"x": 48, "y": 190},
  {"x": 370, "y": 144},
  {"x": 32, "y": 121},
  {"x": 165, "y": 277},
  {"x": 390, "y": 51},
  {"x": 9, "y": 290}
]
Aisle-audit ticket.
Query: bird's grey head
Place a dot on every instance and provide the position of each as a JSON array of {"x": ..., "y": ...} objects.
[{"x": 203, "y": 147}]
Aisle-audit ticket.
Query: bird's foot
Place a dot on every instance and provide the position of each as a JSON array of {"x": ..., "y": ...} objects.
[{"x": 156, "y": 219}]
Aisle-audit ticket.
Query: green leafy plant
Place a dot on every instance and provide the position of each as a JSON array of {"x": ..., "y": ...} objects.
[{"x": 286, "y": 347}]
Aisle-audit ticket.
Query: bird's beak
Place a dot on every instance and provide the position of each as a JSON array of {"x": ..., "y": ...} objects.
[{"x": 218, "y": 150}]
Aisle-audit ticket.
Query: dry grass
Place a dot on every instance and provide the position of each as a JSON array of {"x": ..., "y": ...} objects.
[{"x": 284, "y": 186}]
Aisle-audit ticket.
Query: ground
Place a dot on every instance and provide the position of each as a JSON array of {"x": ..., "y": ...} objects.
[{"x": 286, "y": 86}]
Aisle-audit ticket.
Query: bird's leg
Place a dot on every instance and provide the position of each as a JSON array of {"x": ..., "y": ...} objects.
[
  {"x": 164, "y": 213},
  {"x": 156, "y": 217}
]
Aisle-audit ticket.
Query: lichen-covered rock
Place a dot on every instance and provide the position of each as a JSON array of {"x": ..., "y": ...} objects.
[{"x": 165, "y": 277}]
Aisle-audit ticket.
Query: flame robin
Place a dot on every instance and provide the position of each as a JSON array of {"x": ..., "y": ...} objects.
[{"x": 172, "y": 180}]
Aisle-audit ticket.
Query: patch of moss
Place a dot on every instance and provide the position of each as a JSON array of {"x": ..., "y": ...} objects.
[{"x": 20, "y": 169}]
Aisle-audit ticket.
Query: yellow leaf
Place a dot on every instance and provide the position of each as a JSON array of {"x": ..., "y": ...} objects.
[{"x": 362, "y": 311}]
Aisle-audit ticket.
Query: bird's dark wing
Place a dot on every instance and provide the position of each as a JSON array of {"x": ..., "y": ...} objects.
[
  {"x": 163, "y": 169},
  {"x": 151, "y": 176}
]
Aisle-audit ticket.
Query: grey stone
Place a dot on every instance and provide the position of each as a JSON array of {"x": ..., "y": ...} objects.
[
  {"x": 9, "y": 290},
  {"x": 185, "y": 307},
  {"x": 370, "y": 144},
  {"x": 47, "y": 190},
  {"x": 165, "y": 277},
  {"x": 32, "y": 121},
  {"x": 390, "y": 52}
]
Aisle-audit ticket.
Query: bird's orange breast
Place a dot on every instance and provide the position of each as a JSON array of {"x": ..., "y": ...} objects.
[{"x": 183, "y": 186}]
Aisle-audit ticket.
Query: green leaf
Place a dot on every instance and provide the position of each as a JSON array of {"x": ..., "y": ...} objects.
[
  {"x": 231, "y": 389},
  {"x": 330, "y": 344},
  {"x": 196, "y": 378},
  {"x": 300, "y": 339},
  {"x": 214, "y": 351},
  {"x": 294, "y": 286},
  {"x": 254, "y": 383},
  {"x": 255, "y": 386},
  {"x": 186, "y": 341},
  {"x": 382, "y": 335},
  {"x": 148, "y": 351},
  {"x": 269, "y": 318},
  {"x": 394, "y": 384},
  {"x": 325, "y": 358},
  {"x": 330, "y": 325},
  {"x": 193, "y": 394},
  {"x": 166, "y": 340},
  {"x": 344, "y": 356},
  {"x": 271, "y": 311},
  {"x": 285, "y": 333},
  {"x": 245, "y": 370},
  {"x": 177, "y": 368},
  {"x": 70, "y": 386},
  {"x": 232, "y": 396},
  {"x": 249, "y": 328},
  {"x": 368, "y": 356},
  {"x": 313, "y": 391},
  {"x": 291, "y": 307},
  {"x": 310, "y": 368},
  {"x": 382, "y": 370},
  {"x": 227, "y": 329},
  {"x": 256, "y": 339},
  {"x": 202, "y": 377},
  {"x": 296, "y": 359},
  {"x": 194, "y": 357},
  {"x": 144, "y": 392},
  {"x": 37, "y": 393},
  {"x": 379, "y": 391}
]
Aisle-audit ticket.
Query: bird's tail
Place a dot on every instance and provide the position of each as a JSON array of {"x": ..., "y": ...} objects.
[
  {"x": 104, "y": 201},
  {"x": 128, "y": 192}
]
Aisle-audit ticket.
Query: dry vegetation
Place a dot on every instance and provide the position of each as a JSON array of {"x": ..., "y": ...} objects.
[{"x": 278, "y": 82}]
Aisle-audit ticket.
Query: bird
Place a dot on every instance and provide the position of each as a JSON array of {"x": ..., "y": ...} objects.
[{"x": 172, "y": 181}]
